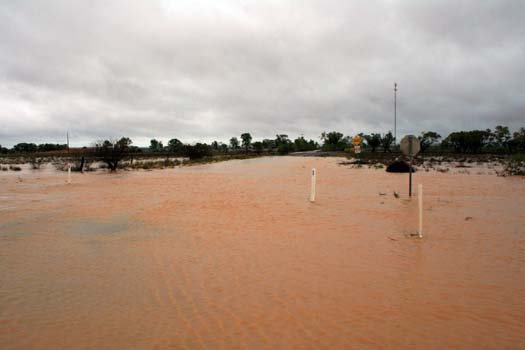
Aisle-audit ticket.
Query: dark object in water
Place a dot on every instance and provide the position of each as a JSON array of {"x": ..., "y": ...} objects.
[
  {"x": 353, "y": 162},
  {"x": 399, "y": 166}
]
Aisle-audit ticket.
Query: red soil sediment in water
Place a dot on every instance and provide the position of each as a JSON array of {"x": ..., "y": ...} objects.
[{"x": 232, "y": 255}]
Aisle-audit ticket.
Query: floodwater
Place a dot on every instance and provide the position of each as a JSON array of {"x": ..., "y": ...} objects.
[{"x": 232, "y": 255}]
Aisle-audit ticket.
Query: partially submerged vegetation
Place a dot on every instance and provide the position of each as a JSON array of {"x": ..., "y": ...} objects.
[
  {"x": 516, "y": 165},
  {"x": 378, "y": 151}
]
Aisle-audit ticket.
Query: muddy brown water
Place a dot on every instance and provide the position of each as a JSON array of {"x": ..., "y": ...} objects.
[{"x": 232, "y": 255}]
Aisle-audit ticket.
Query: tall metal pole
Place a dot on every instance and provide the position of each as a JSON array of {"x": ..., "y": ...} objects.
[
  {"x": 67, "y": 137},
  {"x": 395, "y": 113}
]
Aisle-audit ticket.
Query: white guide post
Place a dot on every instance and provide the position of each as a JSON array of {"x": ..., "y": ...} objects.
[
  {"x": 312, "y": 187},
  {"x": 420, "y": 202}
]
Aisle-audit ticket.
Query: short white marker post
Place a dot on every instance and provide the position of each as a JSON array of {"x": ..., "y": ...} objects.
[
  {"x": 312, "y": 188},
  {"x": 69, "y": 174},
  {"x": 420, "y": 202}
]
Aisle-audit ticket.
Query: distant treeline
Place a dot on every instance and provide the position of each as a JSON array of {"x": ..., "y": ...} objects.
[
  {"x": 281, "y": 144},
  {"x": 499, "y": 140},
  {"x": 24, "y": 147}
]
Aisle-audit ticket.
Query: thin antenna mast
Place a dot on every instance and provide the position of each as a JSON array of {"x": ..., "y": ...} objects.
[{"x": 395, "y": 113}]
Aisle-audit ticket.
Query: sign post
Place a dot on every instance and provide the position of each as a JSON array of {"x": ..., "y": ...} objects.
[
  {"x": 356, "y": 140},
  {"x": 410, "y": 177},
  {"x": 410, "y": 146}
]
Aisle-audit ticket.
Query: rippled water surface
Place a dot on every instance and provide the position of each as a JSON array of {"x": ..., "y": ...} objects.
[{"x": 232, "y": 255}]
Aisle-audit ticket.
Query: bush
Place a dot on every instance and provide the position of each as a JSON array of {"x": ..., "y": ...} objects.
[
  {"x": 158, "y": 164},
  {"x": 36, "y": 163},
  {"x": 334, "y": 141},
  {"x": 285, "y": 148},
  {"x": 197, "y": 151},
  {"x": 399, "y": 166},
  {"x": 515, "y": 165},
  {"x": 112, "y": 152}
]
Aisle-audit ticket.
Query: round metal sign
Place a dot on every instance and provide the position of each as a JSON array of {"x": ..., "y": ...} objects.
[
  {"x": 410, "y": 145},
  {"x": 356, "y": 140}
]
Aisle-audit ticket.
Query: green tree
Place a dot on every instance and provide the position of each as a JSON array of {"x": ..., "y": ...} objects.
[
  {"x": 175, "y": 146},
  {"x": 198, "y": 151},
  {"x": 468, "y": 141},
  {"x": 283, "y": 144},
  {"x": 386, "y": 141},
  {"x": 334, "y": 141},
  {"x": 112, "y": 152},
  {"x": 155, "y": 146},
  {"x": 234, "y": 143},
  {"x": 427, "y": 139},
  {"x": 502, "y": 136},
  {"x": 373, "y": 141},
  {"x": 48, "y": 147},
  {"x": 302, "y": 145},
  {"x": 518, "y": 139},
  {"x": 223, "y": 147},
  {"x": 25, "y": 147},
  {"x": 258, "y": 147},
  {"x": 246, "y": 140},
  {"x": 268, "y": 144}
]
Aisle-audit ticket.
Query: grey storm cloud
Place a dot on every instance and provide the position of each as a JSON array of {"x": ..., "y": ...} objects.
[{"x": 204, "y": 70}]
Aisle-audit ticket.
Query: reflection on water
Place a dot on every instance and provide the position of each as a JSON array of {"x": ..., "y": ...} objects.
[
  {"x": 233, "y": 255},
  {"x": 92, "y": 227}
]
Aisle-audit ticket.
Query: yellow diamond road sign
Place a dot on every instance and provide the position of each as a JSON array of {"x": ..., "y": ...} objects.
[{"x": 356, "y": 140}]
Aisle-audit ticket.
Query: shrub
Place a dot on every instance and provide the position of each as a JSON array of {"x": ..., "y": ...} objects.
[
  {"x": 36, "y": 163},
  {"x": 515, "y": 165},
  {"x": 197, "y": 151},
  {"x": 112, "y": 152},
  {"x": 399, "y": 166}
]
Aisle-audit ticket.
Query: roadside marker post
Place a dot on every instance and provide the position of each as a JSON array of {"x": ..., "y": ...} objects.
[
  {"x": 69, "y": 174},
  {"x": 356, "y": 140},
  {"x": 312, "y": 187},
  {"x": 420, "y": 202}
]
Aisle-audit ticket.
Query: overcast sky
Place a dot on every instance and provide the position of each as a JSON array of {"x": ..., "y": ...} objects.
[{"x": 205, "y": 70}]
